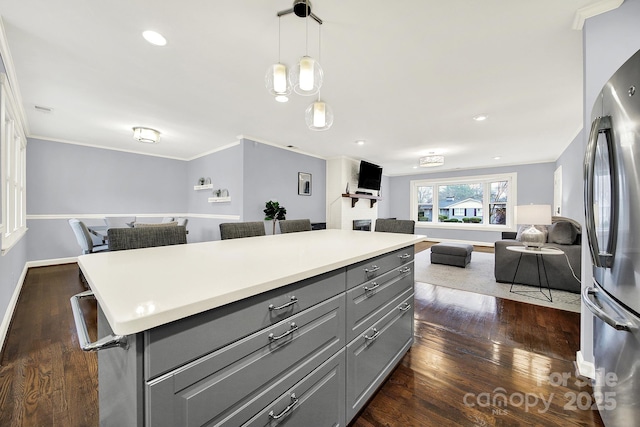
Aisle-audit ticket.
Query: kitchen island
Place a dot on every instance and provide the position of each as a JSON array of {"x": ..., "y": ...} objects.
[{"x": 267, "y": 330}]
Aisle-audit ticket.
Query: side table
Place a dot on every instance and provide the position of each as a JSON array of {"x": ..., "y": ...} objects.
[{"x": 539, "y": 253}]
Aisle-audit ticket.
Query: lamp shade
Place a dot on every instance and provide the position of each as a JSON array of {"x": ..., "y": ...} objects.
[
  {"x": 146, "y": 135},
  {"x": 277, "y": 82},
  {"x": 533, "y": 214},
  {"x": 306, "y": 77},
  {"x": 319, "y": 116}
]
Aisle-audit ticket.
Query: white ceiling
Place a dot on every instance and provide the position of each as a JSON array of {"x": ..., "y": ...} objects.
[{"x": 406, "y": 76}]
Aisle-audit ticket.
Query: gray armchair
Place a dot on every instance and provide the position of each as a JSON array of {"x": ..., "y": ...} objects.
[
  {"x": 84, "y": 237},
  {"x": 395, "y": 225},
  {"x": 145, "y": 237},
  {"x": 237, "y": 230},
  {"x": 294, "y": 225}
]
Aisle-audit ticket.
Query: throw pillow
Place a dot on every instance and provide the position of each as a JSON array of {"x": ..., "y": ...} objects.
[
  {"x": 563, "y": 233},
  {"x": 542, "y": 228}
]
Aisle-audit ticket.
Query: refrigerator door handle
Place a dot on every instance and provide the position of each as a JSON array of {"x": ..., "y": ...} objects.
[
  {"x": 599, "y": 258},
  {"x": 589, "y": 297}
]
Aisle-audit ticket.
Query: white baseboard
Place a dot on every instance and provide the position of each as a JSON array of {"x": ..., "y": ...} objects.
[
  {"x": 13, "y": 302},
  {"x": 586, "y": 369},
  {"x": 53, "y": 261}
]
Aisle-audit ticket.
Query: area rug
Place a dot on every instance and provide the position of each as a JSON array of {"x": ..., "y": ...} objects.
[{"x": 478, "y": 277}]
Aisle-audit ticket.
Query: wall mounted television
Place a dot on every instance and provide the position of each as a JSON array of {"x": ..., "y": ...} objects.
[{"x": 370, "y": 176}]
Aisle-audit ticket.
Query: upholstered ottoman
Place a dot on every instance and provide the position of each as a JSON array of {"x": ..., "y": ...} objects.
[{"x": 458, "y": 254}]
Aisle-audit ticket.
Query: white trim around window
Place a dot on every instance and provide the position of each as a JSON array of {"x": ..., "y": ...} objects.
[
  {"x": 13, "y": 157},
  {"x": 485, "y": 180}
]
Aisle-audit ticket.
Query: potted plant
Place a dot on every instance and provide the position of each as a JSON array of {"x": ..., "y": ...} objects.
[{"x": 274, "y": 212}]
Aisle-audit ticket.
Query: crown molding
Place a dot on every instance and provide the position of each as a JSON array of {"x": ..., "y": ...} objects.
[{"x": 594, "y": 9}]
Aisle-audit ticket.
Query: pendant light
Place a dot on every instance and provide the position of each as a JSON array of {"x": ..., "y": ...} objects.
[
  {"x": 276, "y": 77},
  {"x": 306, "y": 77},
  {"x": 319, "y": 116}
]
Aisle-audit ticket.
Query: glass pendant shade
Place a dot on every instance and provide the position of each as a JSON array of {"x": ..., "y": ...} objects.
[
  {"x": 319, "y": 116},
  {"x": 306, "y": 77},
  {"x": 277, "y": 83}
]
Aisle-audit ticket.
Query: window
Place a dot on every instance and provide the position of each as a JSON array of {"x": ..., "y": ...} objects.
[
  {"x": 13, "y": 144},
  {"x": 462, "y": 202}
]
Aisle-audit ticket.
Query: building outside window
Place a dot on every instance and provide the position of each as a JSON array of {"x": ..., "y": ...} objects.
[{"x": 462, "y": 202}]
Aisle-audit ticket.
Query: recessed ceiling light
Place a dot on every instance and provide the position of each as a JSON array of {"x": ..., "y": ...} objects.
[
  {"x": 497, "y": 158},
  {"x": 480, "y": 117},
  {"x": 360, "y": 142},
  {"x": 154, "y": 38},
  {"x": 282, "y": 98}
]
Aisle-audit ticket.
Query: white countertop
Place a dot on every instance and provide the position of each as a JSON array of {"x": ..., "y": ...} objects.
[{"x": 143, "y": 288}]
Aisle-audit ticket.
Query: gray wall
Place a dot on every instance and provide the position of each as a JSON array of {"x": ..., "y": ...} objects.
[
  {"x": 609, "y": 40},
  {"x": 271, "y": 173},
  {"x": 535, "y": 185},
  {"x": 66, "y": 180},
  {"x": 571, "y": 161},
  {"x": 225, "y": 168}
]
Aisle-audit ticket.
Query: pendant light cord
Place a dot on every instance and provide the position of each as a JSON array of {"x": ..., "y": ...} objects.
[
  {"x": 279, "y": 37},
  {"x": 306, "y": 21}
]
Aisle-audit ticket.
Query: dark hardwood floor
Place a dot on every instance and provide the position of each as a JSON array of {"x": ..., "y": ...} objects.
[{"x": 470, "y": 350}]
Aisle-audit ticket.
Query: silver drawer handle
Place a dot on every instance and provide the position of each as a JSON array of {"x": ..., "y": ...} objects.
[
  {"x": 294, "y": 400},
  {"x": 293, "y": 301},
  {"x": 373, "y": 268},
  {"x": 405, "y": 256},
  {"x": 109, "y": 341},
  {"x": 405, "y": 307},
  {"x": 375, "y": 285},
  {"x": 405, "y": 270},
  {"x": 294, "y": 327},
  {"x": 374, "y": 336}
]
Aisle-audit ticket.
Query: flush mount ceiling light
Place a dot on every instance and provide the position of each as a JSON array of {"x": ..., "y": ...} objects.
[
  {"x": 480, "y": 117},
  {"x": 154, "y": 38},
  {"x": 306, "y": 77},
  {"x": 146, "y": 135},
  {"x": 431, "y": 161}
]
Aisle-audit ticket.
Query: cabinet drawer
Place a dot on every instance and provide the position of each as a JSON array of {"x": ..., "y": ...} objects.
[
  {"x": 249, "y": 372},
  {"x": 172, "y": 345},
  {"x": 317, "y": 400},
  {"x": 374, "y": 267},
  {"x": 364, "y": 302},
  {"x": 369, "y": 361}
]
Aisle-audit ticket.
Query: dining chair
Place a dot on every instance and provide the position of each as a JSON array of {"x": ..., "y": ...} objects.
[
  {"x": 236, "y": 230},
  {"x": 395, "y": 226},
  {"x": 167, "y": 219},
  {"x": 182, "y": 221},
  {"x": 84, "y": 237},
  {"x": 145, "y": 237},
  {"x": 294, "y": 225},
  {"x": 119, "y": 221}
]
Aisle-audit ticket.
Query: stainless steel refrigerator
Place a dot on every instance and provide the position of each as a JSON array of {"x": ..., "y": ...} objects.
[{"x": 612, "y": 208}]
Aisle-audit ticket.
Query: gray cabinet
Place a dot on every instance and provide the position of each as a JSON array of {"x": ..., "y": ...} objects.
[
  {"x": 307, "y": 354},
  {"x": 232, "y": 384}
]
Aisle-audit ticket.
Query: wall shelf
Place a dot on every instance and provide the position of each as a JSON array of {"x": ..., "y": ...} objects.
[
  {"x": 355, "y": 197},
  {"x": 219, "y": 199},
  {"x": 203, "y": 187}
]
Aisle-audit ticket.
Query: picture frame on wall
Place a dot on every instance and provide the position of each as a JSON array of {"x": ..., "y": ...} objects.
[{"x": 304, "y": 184}]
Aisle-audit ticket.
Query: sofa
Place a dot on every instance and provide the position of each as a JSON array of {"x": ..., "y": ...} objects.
[{"x": 564, "y": 234}]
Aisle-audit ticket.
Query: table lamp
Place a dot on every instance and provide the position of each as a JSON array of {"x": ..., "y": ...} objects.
[{"x": 532, "y": 215}]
